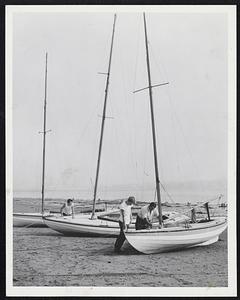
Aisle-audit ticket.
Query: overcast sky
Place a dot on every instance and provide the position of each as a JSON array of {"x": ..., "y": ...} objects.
[{"x": 187, "y": 50}]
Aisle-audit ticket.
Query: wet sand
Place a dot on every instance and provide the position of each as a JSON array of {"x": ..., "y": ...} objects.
[{"x": 43, "y": 257}]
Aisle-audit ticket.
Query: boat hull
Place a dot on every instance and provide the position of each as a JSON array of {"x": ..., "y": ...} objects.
[
  {"x": 82, "y": 226},
  {"x": 176, "y": 238},
  {"x": 28, "y": 220}
]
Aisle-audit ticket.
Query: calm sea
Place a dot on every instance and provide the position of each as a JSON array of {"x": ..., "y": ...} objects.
[{"x": 177, "y": 193}]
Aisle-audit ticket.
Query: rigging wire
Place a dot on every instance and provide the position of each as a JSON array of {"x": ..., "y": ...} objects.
[
  {"x": 162, "y": 75},
  {"x": 146, "y": 127},
  {"x": 157, "y": 104},
  {"x": 186, "y": 145},
  {"x": 116, "y": 136},
  {"x": 201, "y": 205},
  {"x": 37, "y": 166},
  {"x": 137, "y": 55},
  {"x": 110, "y": 107},
  {"x": 116, "y": 112},
  {"x": 144, "y": 160},
  {"x": 178, "y": 121},
  {"x": 57, "y": 161},
  {"x": 170, "y": 197},
  {"x": 134, "y": 96},
  {"x": 84, "y": 130},
  {"x": 91, "y": 115},
  {"x": 110, "y": 37},
  {"x": 128, "y": 113},
  {"x": 132, "y": 141}
]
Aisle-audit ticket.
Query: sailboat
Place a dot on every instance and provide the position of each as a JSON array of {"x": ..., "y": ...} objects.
[
  {"x": 163, "y": 238},
  {"x": 89, "y": 224},
  {"x": 176, "y": 232},
  {"x": 93, "y": 224},
  {"x": 36, "y": 219}
]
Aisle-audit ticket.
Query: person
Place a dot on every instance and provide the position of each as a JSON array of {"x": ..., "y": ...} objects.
[
  {"x": 68, "y": 208},
  {"x": 145, "y": 216},
  {"x": 193, "y": 215},
  {"x": 125, "y": 220}
]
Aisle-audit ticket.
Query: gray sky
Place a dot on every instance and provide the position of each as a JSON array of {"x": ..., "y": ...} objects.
[{"x": 188, "y": 50}]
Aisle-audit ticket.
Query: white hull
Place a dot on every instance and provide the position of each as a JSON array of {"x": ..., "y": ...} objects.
[
  {"x": 82, "y": 225},
  {"x": 28, "y": 220},
  {"x": 174, "y": 238}
]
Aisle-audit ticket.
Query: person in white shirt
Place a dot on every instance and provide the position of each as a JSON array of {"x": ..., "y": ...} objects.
[
  {"x": 68, "y": 208},
  {"x": 145, "y": 216},
  {"x": 125, "y": 220}
]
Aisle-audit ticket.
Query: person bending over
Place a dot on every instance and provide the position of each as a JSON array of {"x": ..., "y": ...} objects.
[{"x": 145, "y": 216}]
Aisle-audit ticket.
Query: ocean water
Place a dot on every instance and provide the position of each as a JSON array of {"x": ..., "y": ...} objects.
[{"x": 172, "y": 193}]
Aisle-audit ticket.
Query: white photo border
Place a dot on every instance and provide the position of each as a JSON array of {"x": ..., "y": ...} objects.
[{"x": 68, "y": 291}]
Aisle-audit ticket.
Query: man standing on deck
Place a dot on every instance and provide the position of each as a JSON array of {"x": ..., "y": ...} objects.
[{"x": 125, "y": 220}]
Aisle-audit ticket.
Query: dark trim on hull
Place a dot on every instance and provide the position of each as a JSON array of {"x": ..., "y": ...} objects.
[{"x": 85, "y": 234}]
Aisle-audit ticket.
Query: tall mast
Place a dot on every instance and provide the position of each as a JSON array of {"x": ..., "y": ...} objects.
[
  {"x": 103, "y": 120},
  {"x": 153, "y": 126},
  {"x": 44, "y": 134}
]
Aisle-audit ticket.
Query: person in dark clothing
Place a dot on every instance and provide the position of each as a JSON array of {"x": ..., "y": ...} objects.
[
  {"x": 142, "y": 224},
  {"x": 145, "y": 216},
  {"x": 124, "y": 221}
]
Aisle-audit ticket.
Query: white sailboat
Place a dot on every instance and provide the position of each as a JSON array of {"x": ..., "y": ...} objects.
[
  {"x": 36, "y": 219},
  {"x": 186, "y": 235},
  {"x": 89, "y": 224},
  {"x": 176, "y": 238},
  {"x": 178, "y": 231},
  {"x": 103, "y": 225},
  {"x": 93, "y": 224}
]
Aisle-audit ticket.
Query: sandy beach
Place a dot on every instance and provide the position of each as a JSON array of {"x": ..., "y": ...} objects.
[{"x": 42, "y": 257}]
